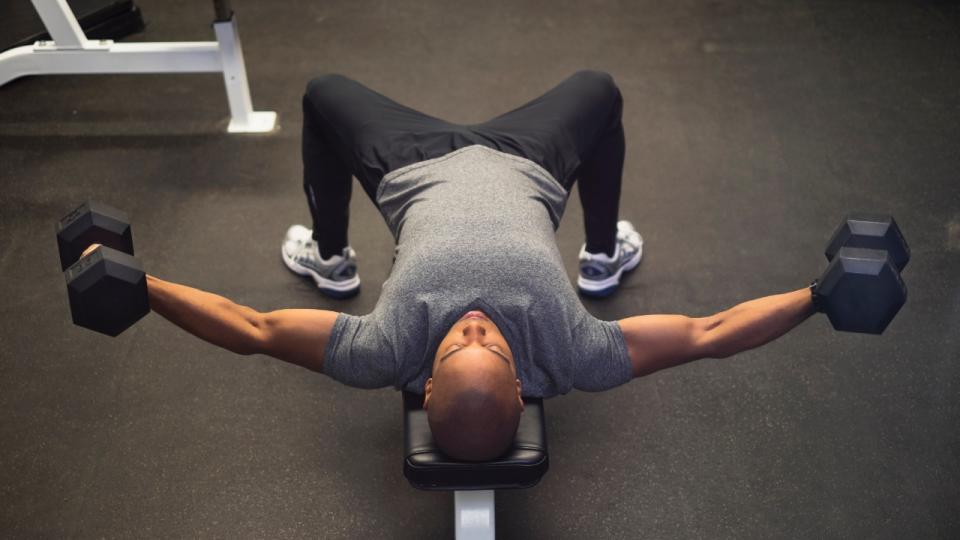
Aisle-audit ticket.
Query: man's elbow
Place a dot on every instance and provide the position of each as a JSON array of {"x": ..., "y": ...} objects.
[
  {"x": 272, "y": 337},
  {"x": 256, "y": 338},
  {"x": 708, "y": 338},
  {"x": 249, "y": 345}
]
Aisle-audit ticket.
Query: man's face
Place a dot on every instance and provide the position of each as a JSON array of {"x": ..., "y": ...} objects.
[
  {"x": 474, "y": 337},
  {"x": 474, "y": 346}
]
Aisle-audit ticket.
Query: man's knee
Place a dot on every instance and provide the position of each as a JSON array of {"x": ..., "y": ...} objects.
[
  {"x": 325, "y": 88},
  {"x": 600, "y": 80},
  {"x": 599, "y": 88}
]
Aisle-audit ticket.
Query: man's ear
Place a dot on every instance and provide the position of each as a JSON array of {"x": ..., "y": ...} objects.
[
  {"x": 427, "y": 389},
  {"x": 519, "y": 395}
]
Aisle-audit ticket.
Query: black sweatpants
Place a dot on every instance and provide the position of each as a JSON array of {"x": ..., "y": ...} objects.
[{"x": 573, "y": 131}]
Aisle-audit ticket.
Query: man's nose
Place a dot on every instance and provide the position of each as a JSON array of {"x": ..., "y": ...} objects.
[{"x": 474, "y": 331}]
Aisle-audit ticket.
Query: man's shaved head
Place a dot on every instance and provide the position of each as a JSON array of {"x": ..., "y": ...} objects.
[{"x": 473, "y": 399}]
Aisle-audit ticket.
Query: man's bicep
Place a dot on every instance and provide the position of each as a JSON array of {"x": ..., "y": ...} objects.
[
  {"x": 656, "y": 342},
  {"x": 298, "y": 336}
]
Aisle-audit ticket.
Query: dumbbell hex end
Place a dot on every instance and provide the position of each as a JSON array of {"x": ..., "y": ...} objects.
[
  {"x": 92, "y": 223},
  {"x": 107, "y": 290},
  {"x": 870, "y": 231},
  {"x": 861, "y": 290}
]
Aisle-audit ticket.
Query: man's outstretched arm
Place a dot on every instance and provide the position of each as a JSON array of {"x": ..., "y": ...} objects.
[
  {"x": 656, "y": 342},
  {"x": 298, "y": 336}
]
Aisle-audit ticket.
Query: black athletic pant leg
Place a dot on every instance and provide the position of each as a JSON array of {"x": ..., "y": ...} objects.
[
  {"x": 575, "y": 132},
  {"x": 349, "y": 129}
]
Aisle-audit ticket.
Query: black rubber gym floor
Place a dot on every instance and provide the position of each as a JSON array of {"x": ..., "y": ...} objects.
[{"x": 752, "y": 127}]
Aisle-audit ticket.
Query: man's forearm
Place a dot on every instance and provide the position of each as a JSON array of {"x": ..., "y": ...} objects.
[
  {"x": 208, "y": 316},
  {"x": 756, "y": 322}
]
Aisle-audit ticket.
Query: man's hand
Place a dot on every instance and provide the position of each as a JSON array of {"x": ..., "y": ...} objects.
[
  {"x": 656, "y": 342},
  {"x": 89, "y": 250}
]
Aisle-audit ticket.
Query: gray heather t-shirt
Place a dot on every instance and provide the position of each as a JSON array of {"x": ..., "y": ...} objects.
[{"x": 475, "y": 229}]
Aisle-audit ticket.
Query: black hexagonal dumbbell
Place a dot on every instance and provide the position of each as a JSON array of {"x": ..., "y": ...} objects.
[
  {"x": 861, "y": 290},
  {"x": 871, "y": 231},
  {"x": 107, "y": 288},
  {"x": 92, "y": 223}
]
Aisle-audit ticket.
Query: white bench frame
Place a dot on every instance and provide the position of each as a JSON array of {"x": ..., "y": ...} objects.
[
  {"x": 71, "y": 52},
  {"x": 474, "y": 515}
]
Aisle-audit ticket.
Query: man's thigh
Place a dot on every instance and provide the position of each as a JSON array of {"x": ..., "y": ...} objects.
[
  {"x": 561, "y": 127},
  {"x": 373, "y": 133}
]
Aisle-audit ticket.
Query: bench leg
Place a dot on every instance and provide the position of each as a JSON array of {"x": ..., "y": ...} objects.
[
  {"x": 243, "y": 119},
  {"x": 474, "y": 514}
]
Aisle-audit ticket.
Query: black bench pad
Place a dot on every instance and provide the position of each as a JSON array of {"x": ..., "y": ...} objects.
[{"x": 426, "y": 467}]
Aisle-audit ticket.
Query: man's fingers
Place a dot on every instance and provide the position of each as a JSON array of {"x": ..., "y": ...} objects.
[{"x": 89, "y": 249}]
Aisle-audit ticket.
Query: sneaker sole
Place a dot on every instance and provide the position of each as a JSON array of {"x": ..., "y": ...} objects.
[
  {"x": 329, "y": 287},
  {"x": 605, "y": 287}
]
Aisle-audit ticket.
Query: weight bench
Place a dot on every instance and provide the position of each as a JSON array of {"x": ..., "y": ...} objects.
[
  {"x": 70, "y": 51},
  {"x": 473, "y": 484}
]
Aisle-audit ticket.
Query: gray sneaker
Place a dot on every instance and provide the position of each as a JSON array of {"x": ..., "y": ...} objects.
[
  {"x": 335, "y": 277},
  {"x": 599, "y": 273}
]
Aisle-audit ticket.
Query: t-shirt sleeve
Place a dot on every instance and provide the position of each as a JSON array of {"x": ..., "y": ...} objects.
[
  {"x": 358, "y": 354},
  {"x": 601, "y": 360}
]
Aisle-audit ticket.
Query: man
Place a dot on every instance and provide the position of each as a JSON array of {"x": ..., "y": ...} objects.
[{"x": 477, "y": 310}]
